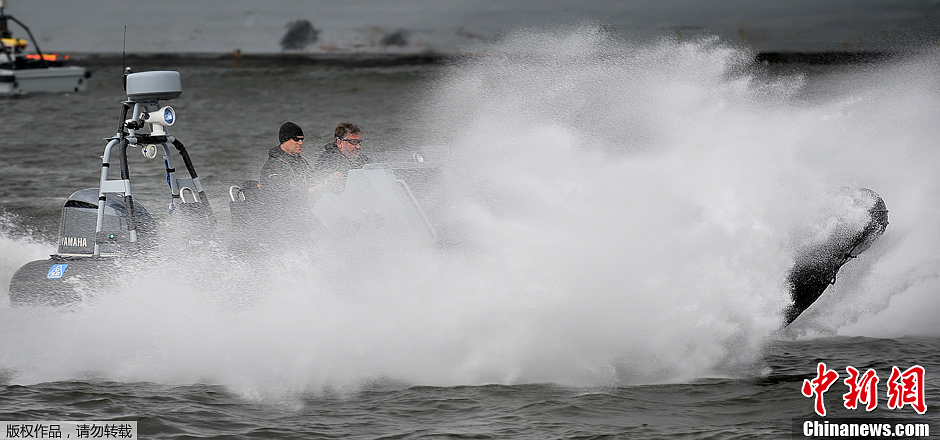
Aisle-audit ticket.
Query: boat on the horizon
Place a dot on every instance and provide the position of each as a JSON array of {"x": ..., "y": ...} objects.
[
  {"x": 22, "y": 72},
  {"x": 383, "y": 203}
]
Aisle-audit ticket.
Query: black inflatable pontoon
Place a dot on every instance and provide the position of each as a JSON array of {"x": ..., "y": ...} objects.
[{"x": 816, "y": 269}]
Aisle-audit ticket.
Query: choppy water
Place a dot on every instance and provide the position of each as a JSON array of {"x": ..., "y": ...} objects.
[
  {"x": 627, "y": 214},
  {"x": 761, "y": 406}
]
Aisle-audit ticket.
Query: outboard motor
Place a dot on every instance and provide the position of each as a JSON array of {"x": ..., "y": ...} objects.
[
  {"x": 102, "y": 224},
  {"x": 56, "y": 281},
  {"x": 80, "y": 214}
]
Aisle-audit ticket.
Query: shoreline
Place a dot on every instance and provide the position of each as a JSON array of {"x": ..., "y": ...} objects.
[{"x": 362, "y": 59}]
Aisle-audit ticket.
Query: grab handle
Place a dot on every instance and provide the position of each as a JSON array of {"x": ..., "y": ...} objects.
[
  {"x": 183, "y": 191},
  {"x": 236, "y": 194},
  {"x": 414, "y": 201}
]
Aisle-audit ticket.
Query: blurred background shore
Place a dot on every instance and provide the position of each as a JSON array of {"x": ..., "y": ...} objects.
[{"x": 418, "y": 30}]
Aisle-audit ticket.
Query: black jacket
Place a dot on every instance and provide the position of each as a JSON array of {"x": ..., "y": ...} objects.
[
  {"x": 332, "y": 160},
  {"x": 284, "y": 173}
]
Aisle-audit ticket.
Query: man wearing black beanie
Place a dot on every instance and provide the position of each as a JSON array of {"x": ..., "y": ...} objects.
[
  {"x": 289, "y": 130},
  {"x": 286, "y": 173}
]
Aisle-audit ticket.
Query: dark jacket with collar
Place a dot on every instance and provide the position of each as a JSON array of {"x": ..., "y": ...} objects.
[
  {"x": 332, "y": 160},
  {"x": 285, "y": 173},
  {"x": 283, "y": 203}
]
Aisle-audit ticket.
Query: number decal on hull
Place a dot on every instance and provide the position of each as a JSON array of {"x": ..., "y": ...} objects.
[{"x": 56, "y": 271}]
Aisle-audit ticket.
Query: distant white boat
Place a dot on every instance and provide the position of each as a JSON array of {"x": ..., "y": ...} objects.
[
  {"x": 22, "y": 72},
  {"x": 49, "y": 79}
]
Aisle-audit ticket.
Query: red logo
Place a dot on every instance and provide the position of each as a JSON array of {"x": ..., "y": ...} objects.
[
  {"x": 818, "y": 386},
  {"x": 861, "y": 389},
  {"x": 907, "y": 388}
]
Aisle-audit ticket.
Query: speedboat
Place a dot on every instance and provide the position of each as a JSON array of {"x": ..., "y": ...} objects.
[
  {"x": 22, "y": 72},
  {"x": 396, "y": 203}
]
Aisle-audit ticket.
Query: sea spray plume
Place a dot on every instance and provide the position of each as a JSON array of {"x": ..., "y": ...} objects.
[
  {"x": 581, "y": 267},
  {"x": 722, "y": 113},
  {"x": 589, "y": 259},
  {"x": 300, "y": 34},
  {"x": 637, "y": 189},
  {"x": 652, "y": 87}
]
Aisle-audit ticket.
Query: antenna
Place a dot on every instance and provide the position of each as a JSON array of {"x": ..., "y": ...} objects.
[{"x": 123, "y": 59}]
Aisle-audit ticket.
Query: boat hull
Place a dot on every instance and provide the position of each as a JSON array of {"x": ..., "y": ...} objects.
[
  {"x": 65, "y": 79},
  {"x": 60, "y": 281}
]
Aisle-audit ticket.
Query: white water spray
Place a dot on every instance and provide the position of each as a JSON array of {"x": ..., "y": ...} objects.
[
  {"x": 626, "y": 213},
  {"x": 17, "y": 249}
]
